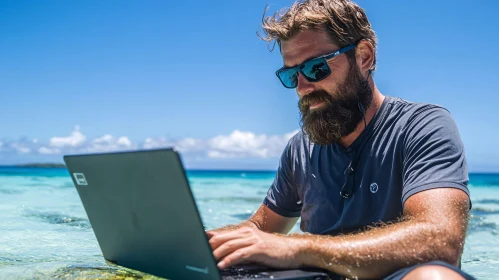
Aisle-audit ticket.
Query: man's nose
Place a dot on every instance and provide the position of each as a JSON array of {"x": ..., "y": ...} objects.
[{"x": 304, "y": 87}]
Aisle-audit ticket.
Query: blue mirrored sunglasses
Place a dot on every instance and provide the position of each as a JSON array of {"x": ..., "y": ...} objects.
[{"x": 313, "y": 70}]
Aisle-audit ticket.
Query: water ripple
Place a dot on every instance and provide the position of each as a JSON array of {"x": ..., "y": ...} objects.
[
  {"x": 488, "y": 201},
  {"x": 243, "y": 216},
  {"x": 480, "y": 211},
  {"x": 10, "y": 191},
  {"x": 57, "y": 218},
  {"x": 477, "y": 223}
]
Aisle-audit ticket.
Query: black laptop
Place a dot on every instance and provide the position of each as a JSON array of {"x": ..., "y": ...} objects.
[{"x": 143, "y": 214}]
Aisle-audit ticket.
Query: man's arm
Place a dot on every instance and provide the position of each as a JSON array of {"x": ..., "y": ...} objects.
[
  {"x": 434, "y": 228},
  {"x": 265, "y": 220}
]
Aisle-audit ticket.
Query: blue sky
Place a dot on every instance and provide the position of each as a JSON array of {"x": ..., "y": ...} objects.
[{"x": 107, "y": 75}]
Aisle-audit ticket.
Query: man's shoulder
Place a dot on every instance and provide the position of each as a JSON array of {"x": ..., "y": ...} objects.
[
  {"x": 406, "y": 112},
  {"x": 414, "y": 121},
  {"x": 297, "y": 144},
  {"x": 297, "y": 138},
  {"x": 413, "y": 107}
]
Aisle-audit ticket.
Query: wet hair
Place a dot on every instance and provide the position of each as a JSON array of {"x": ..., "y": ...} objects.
[{"x": 343, "y": 20}]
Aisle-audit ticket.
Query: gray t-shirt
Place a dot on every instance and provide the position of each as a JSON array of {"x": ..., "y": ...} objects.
[{"x": 406, "y": 148}]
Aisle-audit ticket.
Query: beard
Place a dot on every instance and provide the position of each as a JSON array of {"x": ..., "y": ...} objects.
[{"x": 340, "y": 113}]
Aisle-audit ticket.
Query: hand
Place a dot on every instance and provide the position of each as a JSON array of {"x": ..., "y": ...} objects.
[{"x": 249, "y": 244}]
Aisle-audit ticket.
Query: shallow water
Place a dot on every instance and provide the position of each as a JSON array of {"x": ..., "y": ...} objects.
[{"x": 44, "y": 232}]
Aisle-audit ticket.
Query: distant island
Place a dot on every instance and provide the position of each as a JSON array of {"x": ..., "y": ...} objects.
[{"x": 42, "y": 165}]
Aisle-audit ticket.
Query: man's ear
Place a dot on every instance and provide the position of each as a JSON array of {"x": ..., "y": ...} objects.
[{"x": 364, "y": 56}]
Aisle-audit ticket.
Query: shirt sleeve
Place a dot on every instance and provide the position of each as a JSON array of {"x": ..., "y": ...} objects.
[
  {"x": 282, "y": 196},
  {"x": 434, "y": 155}
]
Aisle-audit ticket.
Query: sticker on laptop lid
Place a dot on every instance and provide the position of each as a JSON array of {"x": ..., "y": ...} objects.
[{"x": 80, "y": 179}]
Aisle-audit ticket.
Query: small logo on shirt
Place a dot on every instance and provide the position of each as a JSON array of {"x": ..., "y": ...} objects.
[{"x": 373, "y": 187}]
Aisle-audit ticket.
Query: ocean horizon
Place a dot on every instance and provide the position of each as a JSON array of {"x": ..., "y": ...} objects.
[
  {"x": 45, "y": 233},
  {"x": 36, "y": 166}
]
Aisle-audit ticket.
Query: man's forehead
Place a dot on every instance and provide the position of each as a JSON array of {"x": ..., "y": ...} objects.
[{"x": 306, "y": 45}]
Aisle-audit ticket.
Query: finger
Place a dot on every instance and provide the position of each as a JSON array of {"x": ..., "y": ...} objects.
[
  {"x": 213, "y": 232},
  {"x": 210, "y": 234},
  {"x": 242, "y": 255},
  {"x": 220, "y": 238},
  {"x": 231, "y": 246}
]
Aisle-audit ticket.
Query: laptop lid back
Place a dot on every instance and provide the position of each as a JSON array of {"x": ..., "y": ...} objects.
[{"x": 143, "y": 214}]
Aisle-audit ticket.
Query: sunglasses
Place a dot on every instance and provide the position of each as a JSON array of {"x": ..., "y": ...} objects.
[{"x": 313, "y": 70}]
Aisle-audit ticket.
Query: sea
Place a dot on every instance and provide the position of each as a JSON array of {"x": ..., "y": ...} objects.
[{"x": 45, "y": 233}]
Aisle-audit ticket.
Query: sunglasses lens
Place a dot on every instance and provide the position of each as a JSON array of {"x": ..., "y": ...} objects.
[
  {"x": 316, "y": 70},
  {"x": 288, "y": 77}
]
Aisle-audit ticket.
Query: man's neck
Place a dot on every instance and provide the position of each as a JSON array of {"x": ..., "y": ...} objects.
[{"x": 370, "y": 113}]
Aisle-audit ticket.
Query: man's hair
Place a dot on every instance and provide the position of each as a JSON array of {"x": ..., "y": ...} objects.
[{"x": 343, "y": 20}]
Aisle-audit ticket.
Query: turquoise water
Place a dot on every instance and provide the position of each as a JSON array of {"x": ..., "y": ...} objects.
[{"x": 44, "y": 232}]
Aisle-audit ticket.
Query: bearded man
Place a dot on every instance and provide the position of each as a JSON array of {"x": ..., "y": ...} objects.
[{"x": 380, "y": 183}]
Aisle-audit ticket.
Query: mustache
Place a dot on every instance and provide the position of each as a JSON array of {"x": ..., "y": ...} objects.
[{"x": 314, "y": 97}]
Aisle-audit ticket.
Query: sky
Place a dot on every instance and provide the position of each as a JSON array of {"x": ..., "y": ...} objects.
[{"x": 96, "y": 76}]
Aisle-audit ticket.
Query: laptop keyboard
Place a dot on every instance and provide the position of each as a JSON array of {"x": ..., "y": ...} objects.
[
  {"x": 244, "y": 272},
  {"x": 261, "y": 272}
]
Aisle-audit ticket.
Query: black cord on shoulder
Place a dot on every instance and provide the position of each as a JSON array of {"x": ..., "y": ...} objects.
[
  {"x": 363, "y": 111},
  {"x": 347, "y": 189},
  {"x": 361, "y": 107}
]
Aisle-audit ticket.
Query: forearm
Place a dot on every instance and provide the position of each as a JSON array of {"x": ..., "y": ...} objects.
[
  {"x": 265, "y": 220},
  {"x": 246, "y": 223},
  {"x": 379, "y": 251}
]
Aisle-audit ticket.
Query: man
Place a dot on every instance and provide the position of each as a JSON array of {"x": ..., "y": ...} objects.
[{"x": 380, "y": 183}]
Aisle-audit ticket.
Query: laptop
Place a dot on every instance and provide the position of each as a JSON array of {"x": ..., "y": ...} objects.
[{"x": 144, "y": 217}]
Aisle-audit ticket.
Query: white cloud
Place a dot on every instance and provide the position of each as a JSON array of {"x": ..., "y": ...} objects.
[
  {"x": 190, "y": 145},
  {"x": 77, "y": 143},
  {"x": 20, "y": 148},
  {"x": 162, "y": 142},
  {"x": 217, "y": 154},
  {"x": 49, "y": 151},
  {"x": 108, "y": 143},
  {"x": 106, "y": 139},
  {"x": 247, "y": 144},
  {"x": 124, "y": 141},
  {"x": 238, "y": 144},
  {"x": 74, "y": 140}
]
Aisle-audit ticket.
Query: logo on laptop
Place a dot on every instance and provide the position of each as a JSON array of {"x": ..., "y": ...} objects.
[
  {"x": 197, "y": 269},
  {"x": 80, "y": 179},
  {"x": 373, "y": 187}
]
